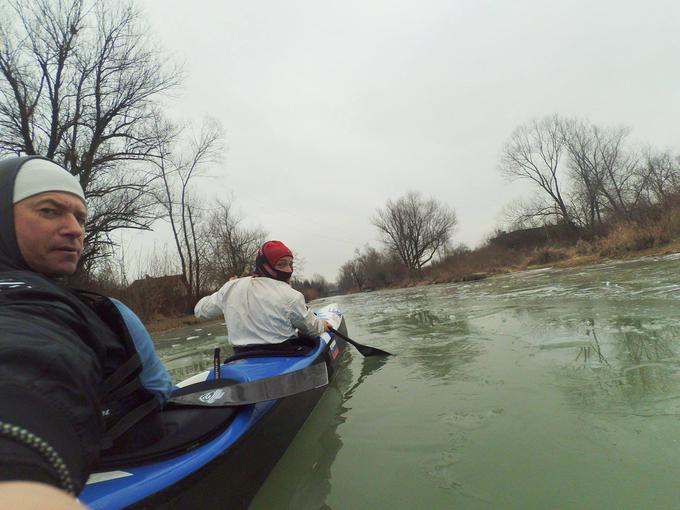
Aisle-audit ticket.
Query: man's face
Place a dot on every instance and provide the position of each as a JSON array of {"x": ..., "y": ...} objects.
[
  {"x": 50, "y": 228},
  {"x": 284, "y": 264}
]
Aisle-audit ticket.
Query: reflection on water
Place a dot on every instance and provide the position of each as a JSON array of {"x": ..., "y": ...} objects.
[
  {"x": 634, "y": 366},
  {"x": 302, "y": 478},
  {"x": 444, "y": 361},
  {"x": 188, "y": 351},
  {"x": 586, "y": 352},
  {"x": 642, "y": 351},
  {"x": 555, "y": 388}
]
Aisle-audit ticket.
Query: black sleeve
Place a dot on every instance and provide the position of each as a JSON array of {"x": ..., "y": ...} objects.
[{"x": 50, "y": 419}]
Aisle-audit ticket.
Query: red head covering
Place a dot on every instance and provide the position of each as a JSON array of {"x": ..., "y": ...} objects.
[
  {"x": 274, "y": 250},
  {"x": 267, "y": 257}
]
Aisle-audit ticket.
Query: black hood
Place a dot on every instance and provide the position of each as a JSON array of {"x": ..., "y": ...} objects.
[{"x": 10, "y": 256}]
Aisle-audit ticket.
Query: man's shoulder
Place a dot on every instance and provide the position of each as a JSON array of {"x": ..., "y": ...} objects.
[
  {"x": 271, "y": 283},
  {"x": 36, "y": 294},
  {"x": 243, "y": 281},
  {"x": 25, "y": 280},
  {"x": 14, "y": 282},
  {"x": 282, "y": 290}
]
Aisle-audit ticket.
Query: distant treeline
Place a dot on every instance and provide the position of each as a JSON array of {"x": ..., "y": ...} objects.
[
  {"x": 595, "y": 195},
  {"x": 588, "y": 178}
]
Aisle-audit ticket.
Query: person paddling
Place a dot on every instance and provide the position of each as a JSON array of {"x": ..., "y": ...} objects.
[{"x": 263, "y": 311}]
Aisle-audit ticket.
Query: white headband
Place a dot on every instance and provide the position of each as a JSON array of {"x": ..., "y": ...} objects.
[{"x": 41, "y": 175}]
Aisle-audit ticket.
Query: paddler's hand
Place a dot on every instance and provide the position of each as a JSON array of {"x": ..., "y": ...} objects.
[
  {"x": 20, "y": 495},
  {"x": 327, "y": 326}
]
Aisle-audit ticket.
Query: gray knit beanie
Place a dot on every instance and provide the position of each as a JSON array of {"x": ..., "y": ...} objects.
[{"x": 41, "y": 175}]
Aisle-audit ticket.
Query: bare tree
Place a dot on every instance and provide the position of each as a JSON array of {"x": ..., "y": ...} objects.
[
  {"x": 372, "y": 269},
  {"x": 415, "y": 228},
  {"x": 351, "y": 276},
  {"x": 622, "y": 186},
  {"x": 231, "y": 246},
  {"x": 661, "y": 173},
  {"x": 587, "y": 171},
  {"x": 605, "y": 173},
  {"x": 314, "y": 288},
  {"x": 77, "y": 84},
  {"x": 175, "y": 168},
  {"x": 534, "y": 152},
  {"x": 528, "y": 213}
]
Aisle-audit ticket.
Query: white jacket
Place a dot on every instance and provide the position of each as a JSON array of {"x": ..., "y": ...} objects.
[{"x": 259, "y": 310}]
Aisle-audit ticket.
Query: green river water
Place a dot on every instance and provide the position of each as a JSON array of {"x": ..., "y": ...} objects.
[{"x": 547, "y": 389}]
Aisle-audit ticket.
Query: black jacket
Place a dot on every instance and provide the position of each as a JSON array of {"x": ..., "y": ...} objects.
[{"x": 57, "y": 347}]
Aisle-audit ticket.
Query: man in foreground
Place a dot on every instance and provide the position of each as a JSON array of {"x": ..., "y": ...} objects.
[{"x": 65, "y": 356}]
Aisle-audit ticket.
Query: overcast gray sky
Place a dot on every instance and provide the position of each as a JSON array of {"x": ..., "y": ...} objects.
[{"x": 332, "y": 108}]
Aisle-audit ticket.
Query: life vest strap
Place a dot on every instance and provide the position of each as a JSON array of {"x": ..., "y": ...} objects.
[
  {"x": 123, "y": 372},
  {"x": 128, "y": 421},
  {"x": 124, "y": 391}
]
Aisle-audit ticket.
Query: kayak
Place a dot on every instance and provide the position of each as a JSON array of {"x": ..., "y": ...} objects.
[{"x": 220, "y": 455}]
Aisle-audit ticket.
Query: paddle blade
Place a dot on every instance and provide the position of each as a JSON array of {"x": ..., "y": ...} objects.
[
  {"x": 371, "y": 351},
  {"x": 365, "y": 350}
]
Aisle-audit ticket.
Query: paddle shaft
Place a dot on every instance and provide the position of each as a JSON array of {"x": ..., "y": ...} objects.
[{"x": 365, "y": 350}]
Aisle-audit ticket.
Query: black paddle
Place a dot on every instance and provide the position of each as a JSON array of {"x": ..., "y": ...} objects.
[
  {"x": 226, "y": 393},
  {"x": 365, "y": 350}
]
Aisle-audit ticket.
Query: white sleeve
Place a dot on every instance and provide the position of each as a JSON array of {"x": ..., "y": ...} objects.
[
  {"x": 303, "y": 318},
  {"x": 209, "y": 306}
]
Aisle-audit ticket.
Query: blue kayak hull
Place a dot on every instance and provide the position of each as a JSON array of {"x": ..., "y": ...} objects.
[{"x": 227, "y": 470}]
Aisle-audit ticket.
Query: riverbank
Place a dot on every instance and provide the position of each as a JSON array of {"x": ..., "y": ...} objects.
[
  {"x": 160, "y": 324},
  {"x": 656, "y": 251},
  {"x": 489, "y": 261}
]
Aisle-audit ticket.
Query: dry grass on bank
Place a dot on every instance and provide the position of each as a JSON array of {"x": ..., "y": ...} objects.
[
  {"x": 623, "y": 241},
  {"x": 472, "y": 265},
  {"x": 629, "y": 238},
  {"x": 160, "y": 323}
]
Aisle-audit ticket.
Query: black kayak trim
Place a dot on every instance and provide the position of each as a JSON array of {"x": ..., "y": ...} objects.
[{"x": 220, "y": 392}]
